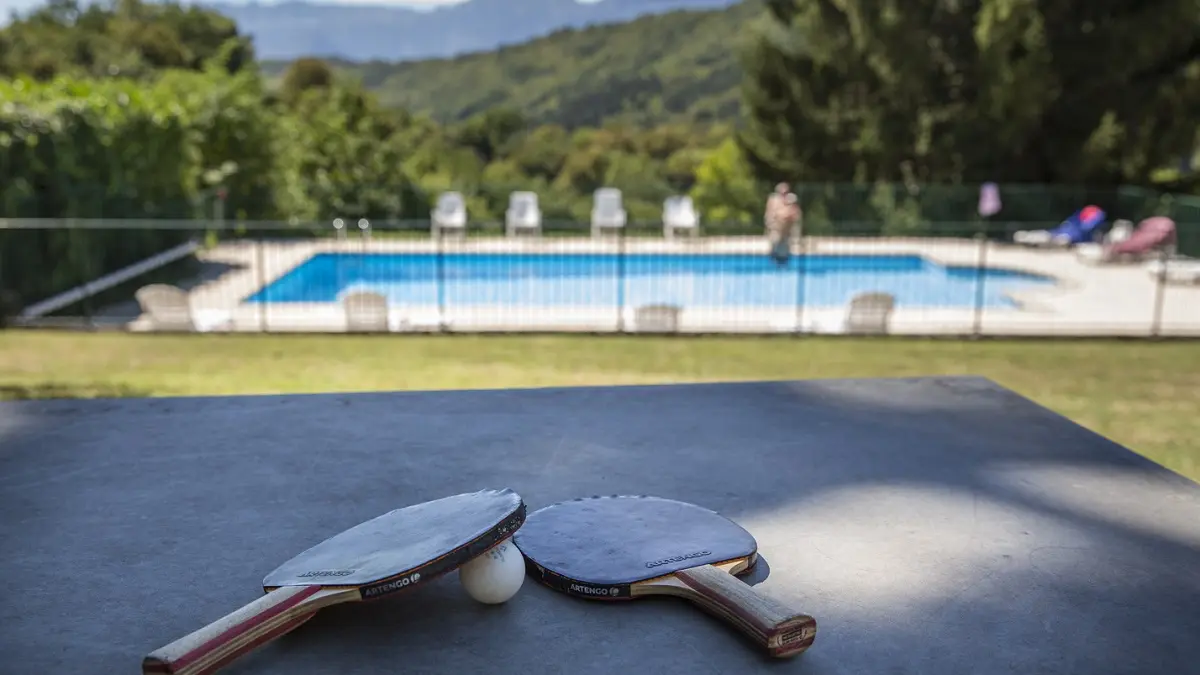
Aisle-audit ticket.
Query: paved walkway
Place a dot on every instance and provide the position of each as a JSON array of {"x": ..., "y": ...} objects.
[{"x": 1110, "y": 300}]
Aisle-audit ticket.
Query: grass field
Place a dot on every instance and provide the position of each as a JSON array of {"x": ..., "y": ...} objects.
[{"x": 1144, "y": 395}]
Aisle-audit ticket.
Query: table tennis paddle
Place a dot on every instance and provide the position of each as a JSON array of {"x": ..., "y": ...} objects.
[
  {"x": 397, "y": 551},
  {"x": 626, "y": 547}
]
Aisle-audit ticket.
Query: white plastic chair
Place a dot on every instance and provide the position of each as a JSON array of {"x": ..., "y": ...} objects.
[
  {"x": 679, "y": 213},
  {"x": 366, "y": 312},
  {"x": 169, "y": 309},
  {"x": 523, "y": 214},
  {"x": 450, "y": 214},
  {"x": 870, "y": 313},
  {"x": 662, "y": 318},
  {"x": 608, "y": 211}
]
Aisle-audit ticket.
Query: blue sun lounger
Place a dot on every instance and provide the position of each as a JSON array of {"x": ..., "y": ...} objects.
[{"x": 1081, "y": 227}]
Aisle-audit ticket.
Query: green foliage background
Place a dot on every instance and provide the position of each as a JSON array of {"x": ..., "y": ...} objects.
[{"x": 887, "y": 115}]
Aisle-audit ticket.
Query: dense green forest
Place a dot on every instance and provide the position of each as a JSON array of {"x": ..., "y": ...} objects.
[
  {"x": 680, "y": 66},
  {"x": 1099, "y": 93},
  {"x": 309, "y": 144},
  {"x": 149, "y": 110},
  {"x": 134, "y": 110}
]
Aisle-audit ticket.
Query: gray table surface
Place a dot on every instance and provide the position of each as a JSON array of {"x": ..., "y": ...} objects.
[{"x": 940, "y": 525}]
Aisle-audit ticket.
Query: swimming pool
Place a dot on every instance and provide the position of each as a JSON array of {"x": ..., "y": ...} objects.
[{"x": 588, "y": 280}]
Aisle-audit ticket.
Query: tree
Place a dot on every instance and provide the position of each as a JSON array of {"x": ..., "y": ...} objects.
[
  {"x": 80, "y": 149},
  {"x": 640, "y": 180},
  {"x": 130, "y": 38},
  {"x": 542, "y": 152},
  {"x": 489, "y": 133},
  {"x": 340, "y": 158},
  {"x": 971, "y": 90},
  {"x": 306, "y": 74},
  {"x": 725, "y": 190},
  {"x": 234, "y": 136}
]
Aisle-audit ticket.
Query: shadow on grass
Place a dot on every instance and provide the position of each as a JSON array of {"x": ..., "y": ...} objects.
[
  {"x": 56, "y": 390},
  {"x": 116, "y": 305},
  {"x": 119, "y": 302}
]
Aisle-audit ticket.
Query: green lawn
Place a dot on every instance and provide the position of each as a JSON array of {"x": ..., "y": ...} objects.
[{"x": 1145, "y": 395}]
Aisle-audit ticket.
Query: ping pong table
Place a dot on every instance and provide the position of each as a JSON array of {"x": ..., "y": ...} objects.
[{"x": 934, "y": 526}]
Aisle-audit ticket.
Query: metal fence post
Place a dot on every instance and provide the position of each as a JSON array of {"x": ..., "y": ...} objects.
[
  {"x": 1160, "y": 292},
  {"x": 801, "y": 279},
  {"x": 440, "y": 270},
  {"x": 621, "y": 280},
  {"x": 79, "y": 243},
  {"x": 980, "y": 283},
  {"x": 260, "y": 264}
]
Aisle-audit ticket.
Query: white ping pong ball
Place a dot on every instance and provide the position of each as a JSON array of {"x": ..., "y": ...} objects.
[{"x": 495, "y": 576}]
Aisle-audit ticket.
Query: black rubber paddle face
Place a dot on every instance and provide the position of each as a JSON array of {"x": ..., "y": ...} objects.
[
  {"x": 598, "y": 547},
  {"x": 408, "y": 546}
]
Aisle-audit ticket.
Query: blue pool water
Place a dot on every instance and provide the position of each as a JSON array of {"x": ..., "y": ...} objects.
[{"x": 588, "y": 280}]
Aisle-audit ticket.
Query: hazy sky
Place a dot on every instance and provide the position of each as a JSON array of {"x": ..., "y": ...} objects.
[{"x": 7, "y": 6}]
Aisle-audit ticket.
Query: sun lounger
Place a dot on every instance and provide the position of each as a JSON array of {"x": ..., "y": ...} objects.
[
  {"x": 169, "y": 309},
  {"x": 1153, "y": 237},
  {"x": 1078, "y": 229}
]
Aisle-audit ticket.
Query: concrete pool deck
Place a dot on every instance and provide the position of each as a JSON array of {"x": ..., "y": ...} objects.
[{"x": 1085, "y": 300}]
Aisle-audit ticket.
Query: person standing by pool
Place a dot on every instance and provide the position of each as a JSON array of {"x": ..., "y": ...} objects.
[{"x": 782, "y": 214}]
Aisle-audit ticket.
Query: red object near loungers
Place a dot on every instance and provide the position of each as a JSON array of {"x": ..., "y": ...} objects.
[{"x": 1151, "y": 233}]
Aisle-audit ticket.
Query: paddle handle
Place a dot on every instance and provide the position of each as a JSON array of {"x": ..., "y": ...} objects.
[
  {"x": 216, "y": 645},
  {"x": 781, "y": 630}
]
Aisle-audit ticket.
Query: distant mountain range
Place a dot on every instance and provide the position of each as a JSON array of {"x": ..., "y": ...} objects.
[
  {"x": 677, "y": 66},
  {"x": 289, "y": 30}
]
